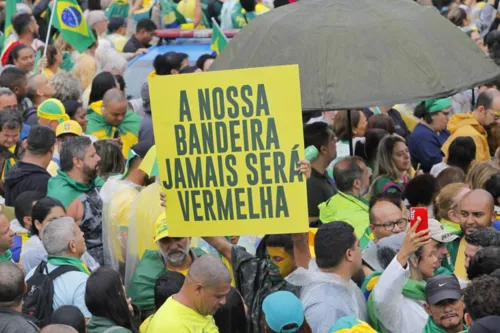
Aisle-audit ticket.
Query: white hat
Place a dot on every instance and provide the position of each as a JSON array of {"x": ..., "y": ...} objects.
[{"x": 438, "y": 232}]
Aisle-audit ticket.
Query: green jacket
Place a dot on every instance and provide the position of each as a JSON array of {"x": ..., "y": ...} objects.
[
  {"x": 431, "y": 327},
  {"x": 100, "y": 324},
  {"x": 65, "y": 189},
  {"x": 151, "y": 266},
  {"x": 346, "y": 207}
]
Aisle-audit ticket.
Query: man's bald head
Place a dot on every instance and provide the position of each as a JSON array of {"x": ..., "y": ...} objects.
[
  {"x": 347, "y": 171},
  {"x": 58, "y": 328},
  {"x": 209, "y": 270},
  {"x": 39, "y": 88},
  {"x": 476, "y": 210},
  {"x": 487, "y": 103},
  {"x": 114, "y": 95},
  {"x": 114, "y": 106},
  {"x": 11, "y": 285},
  {"x": 206, "y": 286}
]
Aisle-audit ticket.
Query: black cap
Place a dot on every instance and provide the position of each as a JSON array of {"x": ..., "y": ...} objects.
[
  {"x": 115, "y": 23},
  {"x": 489, "y": 324},
  {"x": 442, "y": 287}
]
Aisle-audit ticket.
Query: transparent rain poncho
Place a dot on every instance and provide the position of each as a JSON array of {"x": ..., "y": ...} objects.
[
  {"x": 118, "y": 197},
  {"x": 141, "y": 230}
]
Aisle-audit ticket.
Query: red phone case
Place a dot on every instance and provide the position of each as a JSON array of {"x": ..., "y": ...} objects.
[{"x": 422, "y": 213}]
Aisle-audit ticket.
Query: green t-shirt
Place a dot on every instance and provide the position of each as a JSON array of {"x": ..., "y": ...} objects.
[{"x": 240, "y": 17}]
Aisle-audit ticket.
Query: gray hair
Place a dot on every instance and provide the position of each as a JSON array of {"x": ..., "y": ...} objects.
[
  {"x": 11, "y": 285},
  {"x": 67, "y": 86},
  {"x": 57, "y": 234},
  {"x": 113, "y": 62},
  {"x": 346, "y": 171},
  {"x": 75, "y": 147},
  {"x": 6, "y": 91}
]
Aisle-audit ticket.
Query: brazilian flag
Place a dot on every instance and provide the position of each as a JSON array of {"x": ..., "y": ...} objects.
[
  {"x": 219, "y": 40},
  {"x": 69, "y": 20}
]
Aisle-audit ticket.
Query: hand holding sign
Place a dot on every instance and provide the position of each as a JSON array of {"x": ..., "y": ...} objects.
[{"x": 229, "y": 152}]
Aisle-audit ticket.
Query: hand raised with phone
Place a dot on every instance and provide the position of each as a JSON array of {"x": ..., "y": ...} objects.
[{"x": 412, "y": 242}]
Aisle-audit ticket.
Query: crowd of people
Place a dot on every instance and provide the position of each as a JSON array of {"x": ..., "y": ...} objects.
[{"x": 84, "y": 239}]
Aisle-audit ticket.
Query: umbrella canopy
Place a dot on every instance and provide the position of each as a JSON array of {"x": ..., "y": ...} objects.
[{"x": 362, "y": 53}]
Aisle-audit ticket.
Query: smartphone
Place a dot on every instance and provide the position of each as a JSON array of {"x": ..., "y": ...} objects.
[{"x": 421, "y": 212}]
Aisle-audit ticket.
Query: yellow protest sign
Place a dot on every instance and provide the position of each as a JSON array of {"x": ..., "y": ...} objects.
[{"x": 228, "y": 144}]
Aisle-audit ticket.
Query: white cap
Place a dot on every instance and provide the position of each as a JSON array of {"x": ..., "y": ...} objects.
[{"x": 438, "y": 232}]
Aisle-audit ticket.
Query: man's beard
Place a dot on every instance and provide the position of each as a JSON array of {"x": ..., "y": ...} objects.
[
  {"x": 91, "y": 173},
  {"x": 175, "y": 257}
]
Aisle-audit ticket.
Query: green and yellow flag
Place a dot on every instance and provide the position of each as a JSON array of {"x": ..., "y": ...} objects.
[
  {"x": 219, "y": 40},
  {"x": 69, "y": 20},
  {"x": 10, "y": 9}
]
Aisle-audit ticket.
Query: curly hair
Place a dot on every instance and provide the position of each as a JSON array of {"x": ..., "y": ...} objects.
[
  {"x": 479, "y": 299},
  {"x": 67, "y": 86},
  {"x": 484, "y": 262}
]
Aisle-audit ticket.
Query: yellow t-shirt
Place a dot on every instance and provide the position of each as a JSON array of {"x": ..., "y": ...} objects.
[
  {"x": 145, "y": 324},
  {"x": 48, "y": 73},
  {"x": 52, "y": 168},
  {"x": 175, "y": 317}
]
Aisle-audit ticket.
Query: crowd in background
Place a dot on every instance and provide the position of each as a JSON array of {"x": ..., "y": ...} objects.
[{"x": 84, "y": 240}]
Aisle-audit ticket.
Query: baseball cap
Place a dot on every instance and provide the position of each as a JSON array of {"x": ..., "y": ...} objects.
[
  {"x": 115, "y": 23},
  {"x": 370, "y": 255},
  {"x": 281, "y": 309},
  {"x": 96, "y": 16},
  {"x": 438, "y": 233},
  {"x": 490, "y": 324},
  {"x": 161, "y": 228},
  {"x": 442, "y": 287},
  {"x": 69, "y": 127}
]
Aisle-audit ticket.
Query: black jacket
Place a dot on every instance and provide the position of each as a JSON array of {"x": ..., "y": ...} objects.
[
  {"x": 16, "y": 322},
  {"x": 30, "y": 116},
  {"x": 24, "y": 177}
]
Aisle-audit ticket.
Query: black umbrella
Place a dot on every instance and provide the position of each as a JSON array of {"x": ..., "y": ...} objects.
[{"x": 362, "y": 53}]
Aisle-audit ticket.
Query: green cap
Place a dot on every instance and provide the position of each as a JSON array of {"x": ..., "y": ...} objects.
[
  {"x": 52, "y": 109},
  {"x": 437, "y": 104}
]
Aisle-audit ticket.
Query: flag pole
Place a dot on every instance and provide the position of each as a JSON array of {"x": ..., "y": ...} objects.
[
  {"x": 54, "y": 8},
  {"x": 217, "y": 25}
]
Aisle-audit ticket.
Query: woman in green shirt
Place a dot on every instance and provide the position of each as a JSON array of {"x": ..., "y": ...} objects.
[
  {"x": 392, "y": 166},
  {"x": 105, "y": 298}
]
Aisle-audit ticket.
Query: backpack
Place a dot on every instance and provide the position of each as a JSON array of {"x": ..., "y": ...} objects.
[
  {"x": 39, "y": 298},
  {"x": 399, "y": 187}
]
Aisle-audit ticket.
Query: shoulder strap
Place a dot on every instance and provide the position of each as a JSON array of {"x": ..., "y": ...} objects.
[
  {"x": 392, "y": 185},
  {"x": 112, "y": 328},
  {"x": 62, "y": 270}
]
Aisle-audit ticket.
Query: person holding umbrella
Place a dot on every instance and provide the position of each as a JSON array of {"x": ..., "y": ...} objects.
[{"x": 429, "y": 135}]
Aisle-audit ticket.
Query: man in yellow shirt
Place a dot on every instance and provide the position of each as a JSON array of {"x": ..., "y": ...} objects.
[{"x": 203, "y": 293}]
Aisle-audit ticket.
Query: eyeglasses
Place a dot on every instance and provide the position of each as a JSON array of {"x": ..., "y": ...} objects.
[{"x": 389, "y": 226}]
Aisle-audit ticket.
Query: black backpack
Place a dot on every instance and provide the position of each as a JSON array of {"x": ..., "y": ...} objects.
[{"x": 39, "y": 297}]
